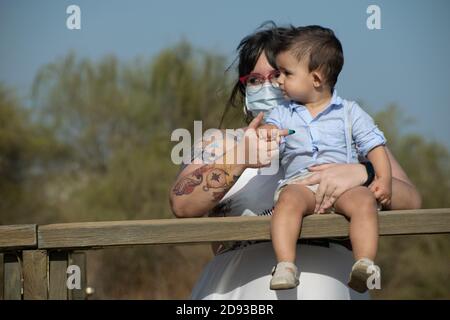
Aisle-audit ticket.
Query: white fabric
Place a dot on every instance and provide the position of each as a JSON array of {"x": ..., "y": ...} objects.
[
  {"x": 244, "y": 273},
  {"x": 252, "y": 193}
]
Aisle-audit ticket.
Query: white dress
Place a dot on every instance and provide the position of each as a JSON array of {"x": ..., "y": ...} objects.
[{"x": 244, "y": 272}]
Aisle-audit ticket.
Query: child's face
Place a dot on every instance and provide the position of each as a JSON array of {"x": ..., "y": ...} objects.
[{"x": 295, "y": 80}]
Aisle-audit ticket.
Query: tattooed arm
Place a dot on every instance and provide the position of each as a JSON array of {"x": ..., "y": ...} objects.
[{"x": 199, "y": 188}]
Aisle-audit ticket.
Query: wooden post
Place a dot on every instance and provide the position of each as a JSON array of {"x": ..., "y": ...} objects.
[
  {"x": 1, "y": 277},
  {"x": 35, "y": 284},
  {"x": 78, "y": 258},
  {"x": 57, "y": 275},
  {"x": 13, "y": 277}
]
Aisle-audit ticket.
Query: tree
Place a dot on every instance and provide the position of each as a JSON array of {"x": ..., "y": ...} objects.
[{"x": 416, "y": 266}]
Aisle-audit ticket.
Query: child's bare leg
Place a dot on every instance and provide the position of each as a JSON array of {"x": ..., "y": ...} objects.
[
  {"x": 360, "y": 206},
  {"x": 295, "y": 201}
]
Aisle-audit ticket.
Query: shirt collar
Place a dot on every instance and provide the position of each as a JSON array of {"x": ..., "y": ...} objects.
[{"x": 335, "y": 101}]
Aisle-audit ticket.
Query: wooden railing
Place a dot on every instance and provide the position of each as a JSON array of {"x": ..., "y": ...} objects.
[{"x": 34, "y": 258}]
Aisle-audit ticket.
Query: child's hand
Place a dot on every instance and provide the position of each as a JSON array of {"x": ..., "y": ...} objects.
[{"x": 382, "y": 189}]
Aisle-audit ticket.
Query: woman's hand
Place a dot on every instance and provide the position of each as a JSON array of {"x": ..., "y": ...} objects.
[
  {"x": 260, "y": 150},
  {"x": 334, "y": 179},
  {"x": 269, "y": 132}
]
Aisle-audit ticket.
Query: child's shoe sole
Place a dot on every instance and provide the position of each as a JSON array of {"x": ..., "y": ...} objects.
[
  {"x": 358, "y": 279},
  {"x": 283, "y": 285},
  {"x": 284, "y": 276}
]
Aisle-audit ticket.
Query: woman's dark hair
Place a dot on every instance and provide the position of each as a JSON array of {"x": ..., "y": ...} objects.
[{"x": 264, "y": 39}]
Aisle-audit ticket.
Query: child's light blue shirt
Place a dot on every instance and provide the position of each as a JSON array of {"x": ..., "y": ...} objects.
[{"x": 325, "y": 138}]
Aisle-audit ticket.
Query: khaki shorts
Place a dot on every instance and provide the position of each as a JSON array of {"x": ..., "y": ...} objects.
[
  {"x": 294, "y": 180},
  {"x": 297, "y": 178}
]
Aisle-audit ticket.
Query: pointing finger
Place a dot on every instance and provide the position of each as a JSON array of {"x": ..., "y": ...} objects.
[
  {"x": 256, "y": 121},
  {"x": 285, "y": 132}
]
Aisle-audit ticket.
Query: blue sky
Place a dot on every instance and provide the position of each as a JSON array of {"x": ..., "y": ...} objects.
[{"x": 406, "y": 62}]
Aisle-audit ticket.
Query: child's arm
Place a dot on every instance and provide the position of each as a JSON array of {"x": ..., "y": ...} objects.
[{"x": 382, "y": 186}]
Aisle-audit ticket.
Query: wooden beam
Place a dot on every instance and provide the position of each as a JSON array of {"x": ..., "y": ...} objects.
[
  {"x": 58, "y": 275},
  {"x": 2, "y": 277},
  {"x": 35, "y": 283},
  {"x": 13, "y": 277},
  {"x": 198, "y": 230},
  {"x": 18, "y": 237}
]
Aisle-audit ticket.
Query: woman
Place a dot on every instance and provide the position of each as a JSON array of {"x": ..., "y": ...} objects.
[{"x": 241, "y": 270}]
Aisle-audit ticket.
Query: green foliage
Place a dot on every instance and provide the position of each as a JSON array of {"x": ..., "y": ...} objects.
[
  {"x": 27, "y": 150},
  {"x": 416, "y": 266}
]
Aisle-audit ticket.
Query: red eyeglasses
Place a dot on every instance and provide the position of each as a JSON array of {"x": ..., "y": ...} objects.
[{"x": 255, "y": 80}]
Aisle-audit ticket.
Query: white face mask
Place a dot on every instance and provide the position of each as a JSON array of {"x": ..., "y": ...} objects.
[{"x": 264, "y": 100}]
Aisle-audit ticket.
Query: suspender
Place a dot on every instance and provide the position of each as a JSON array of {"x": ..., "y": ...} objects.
[{"x": 348, "y": 129}]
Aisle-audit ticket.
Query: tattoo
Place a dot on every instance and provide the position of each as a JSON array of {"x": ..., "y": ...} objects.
[
  {"x": 187, "y": 184},
  {"x": 215, "y": 178}
]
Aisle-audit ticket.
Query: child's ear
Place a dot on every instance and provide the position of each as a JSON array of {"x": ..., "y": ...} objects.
[{"x": 317, "y": 79}]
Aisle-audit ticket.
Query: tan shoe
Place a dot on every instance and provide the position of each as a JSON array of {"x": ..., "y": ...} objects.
[
  {"x": 284, "y": 276},
  {"x": 359, "y": 275}
]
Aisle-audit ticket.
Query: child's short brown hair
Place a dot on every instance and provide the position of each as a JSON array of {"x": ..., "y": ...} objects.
[{"x": 319, "y": 45}]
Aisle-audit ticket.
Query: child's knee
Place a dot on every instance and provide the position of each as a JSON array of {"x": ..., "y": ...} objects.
[
  {"x": 361, "y": 201},
  {"x": 291, "y": 198},
  {"x": 366, "y": 202}
]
